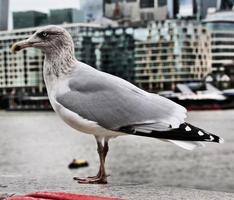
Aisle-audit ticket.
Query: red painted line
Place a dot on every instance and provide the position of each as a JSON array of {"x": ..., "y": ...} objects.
[
  {"x": 23, "y": 198},
  {"x": 58, "y": 196}
]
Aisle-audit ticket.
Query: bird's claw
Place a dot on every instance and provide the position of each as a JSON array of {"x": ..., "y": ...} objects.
[{"x": 91, "y": 180}]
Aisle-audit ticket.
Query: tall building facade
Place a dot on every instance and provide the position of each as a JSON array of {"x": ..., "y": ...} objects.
[
  {"x": 135, "y": 10},
  {"x": 196, "y": 9},
  {"x": 173, "y": 8},
  {"x": 4, "y": 10},
  {"x": 225, "y": 4},
  {"x": 66, "y": 16},
  {"x": 117, "y": 53},
  {"x": 204, "y": 6},
  {"x": 221, "y": 28},
  {"x": 93, "y": 10},
  {"x": 27, "y": 19},
  {"x": 187, "y": 8},
  {"x": 153, "y": 10},
  {"x": 174, "y": 51}
]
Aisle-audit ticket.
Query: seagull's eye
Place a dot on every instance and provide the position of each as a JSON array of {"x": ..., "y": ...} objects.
[{"x": 43, "y": 35}]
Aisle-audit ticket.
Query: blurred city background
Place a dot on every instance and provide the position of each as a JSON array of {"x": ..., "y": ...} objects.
[{"x": 182, "y": 49}]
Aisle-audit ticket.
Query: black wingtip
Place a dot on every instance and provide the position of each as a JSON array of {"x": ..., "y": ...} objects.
[
  {"x": 215, "y": 138},
  {"x": 206, "y": 136},
  {"x": 185, "y": 132}
]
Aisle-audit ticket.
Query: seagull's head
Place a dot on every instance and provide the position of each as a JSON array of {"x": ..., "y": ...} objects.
[{"x": 50, "y": 39}]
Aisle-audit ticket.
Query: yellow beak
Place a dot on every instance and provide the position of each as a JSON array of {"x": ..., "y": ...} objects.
[{"x": 20, "y": 45}]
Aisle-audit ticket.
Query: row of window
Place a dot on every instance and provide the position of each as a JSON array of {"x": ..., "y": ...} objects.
[
  {"x": 223, "y": 50},
  {"x": 222, "y": 43},
  {"x": 143, "y": 3},
  {"x": 222, "y": 35},
  {"x": 231, "y": 57}
]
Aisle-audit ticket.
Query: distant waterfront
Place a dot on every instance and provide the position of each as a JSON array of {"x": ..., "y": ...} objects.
[{"x": 36, "y": 148}]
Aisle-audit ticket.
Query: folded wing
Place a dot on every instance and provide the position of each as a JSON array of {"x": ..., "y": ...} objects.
[{"x": 114, "y": 103}]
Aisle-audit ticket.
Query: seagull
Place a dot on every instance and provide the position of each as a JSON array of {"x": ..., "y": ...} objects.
[{"x": 106, "y": 106}]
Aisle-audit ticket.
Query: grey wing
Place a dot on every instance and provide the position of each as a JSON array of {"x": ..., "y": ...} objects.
[{"x": 114, "y": 103}]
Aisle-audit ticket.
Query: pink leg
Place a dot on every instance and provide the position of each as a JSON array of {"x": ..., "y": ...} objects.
[{"x": 101, "y": 177}]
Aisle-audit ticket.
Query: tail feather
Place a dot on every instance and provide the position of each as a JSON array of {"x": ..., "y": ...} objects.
[{"x": 185, "y": 132}]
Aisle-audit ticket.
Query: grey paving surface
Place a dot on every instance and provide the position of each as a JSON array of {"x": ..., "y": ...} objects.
[
  {"x": 144, "y": 191},
  {"x": 36, "y": 147}
]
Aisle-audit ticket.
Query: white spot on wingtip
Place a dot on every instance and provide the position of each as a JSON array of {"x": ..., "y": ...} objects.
[
  {"x": 221, "y": 140},
  {"x": 187, "y": 128},
  {"x": 211, "y": 138},
  {"x": 200, "y": 133}
]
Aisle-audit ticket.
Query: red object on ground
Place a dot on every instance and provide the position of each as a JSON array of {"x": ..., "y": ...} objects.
[
  {"x": 23, "y": 198},
  {"x": 58, "y": 196}
]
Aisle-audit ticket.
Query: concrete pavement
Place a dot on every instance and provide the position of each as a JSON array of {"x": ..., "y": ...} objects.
[{"x": 37, "y": 147}]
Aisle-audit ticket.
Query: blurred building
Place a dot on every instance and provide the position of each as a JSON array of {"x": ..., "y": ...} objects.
[
  {"x": 135, "y": 10},
  {"x": 187, "y": 9},
  {"x": 225, "y": 4},
  {"x": 117, "y": 53},
  {"x": 4, "y": 10},
  {"x": 173, "y": 8},
  {"x": 66, "y": 16},
  {"x": 193, "y": 9},
  {"x": 221, "y": 28},
  {"x": 153, "y": 10},
  {"x": 26, "y": 19},
  {"x": 93, "y": 10},
  {"x": 204, "y": 6},
  {"x": 174, "y": 51}
]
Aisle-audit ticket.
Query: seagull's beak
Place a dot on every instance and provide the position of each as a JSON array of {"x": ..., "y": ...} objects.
[{"x": 21, "y": 45}]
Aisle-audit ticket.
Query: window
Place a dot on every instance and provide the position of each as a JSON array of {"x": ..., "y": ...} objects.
[
  {"x": 146, "y": 3},
  {"x": 108, "y": 1},
  {"x": 162, "y": 3},
  {"x": 184, "y": 30},
  {"x": 147, "y": 16}
]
